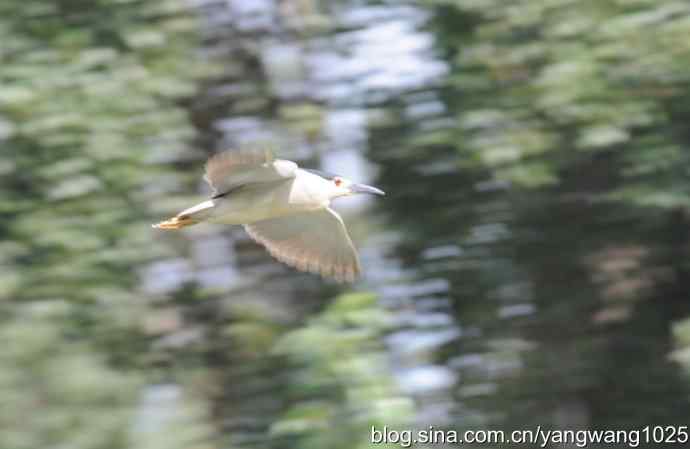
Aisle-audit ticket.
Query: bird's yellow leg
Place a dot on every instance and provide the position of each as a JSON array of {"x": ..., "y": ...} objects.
[{"x": 177, "y": 222}]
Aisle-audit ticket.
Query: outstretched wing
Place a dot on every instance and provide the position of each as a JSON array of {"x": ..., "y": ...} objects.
[
  {"x": 231, "y": 169},
  {"x": 312, "y": 241}
]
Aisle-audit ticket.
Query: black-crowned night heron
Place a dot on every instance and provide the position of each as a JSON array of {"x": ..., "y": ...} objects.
[{"x": 283, "y": 207}]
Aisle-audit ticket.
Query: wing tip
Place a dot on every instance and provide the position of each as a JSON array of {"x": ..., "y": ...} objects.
[{"x": 243, "y": 154}]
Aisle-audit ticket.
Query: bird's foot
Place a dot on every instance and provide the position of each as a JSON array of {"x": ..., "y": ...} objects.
[{"x": 175, "y": 222}]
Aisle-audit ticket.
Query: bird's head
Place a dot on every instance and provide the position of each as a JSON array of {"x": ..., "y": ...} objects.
[{"x": 339, "y": 186}]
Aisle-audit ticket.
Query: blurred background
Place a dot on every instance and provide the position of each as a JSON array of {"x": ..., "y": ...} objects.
[{"x": 529, "y": 265}]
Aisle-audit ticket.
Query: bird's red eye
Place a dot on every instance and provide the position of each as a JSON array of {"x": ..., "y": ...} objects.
[{"x": 338, "y": 181}]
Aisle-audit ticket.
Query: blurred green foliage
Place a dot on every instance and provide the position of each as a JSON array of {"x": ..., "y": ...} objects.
[
  {"x": 549, "y": 88},
  {"x": 554, "y": 185},
  {"x": 89, "y": 100},
  {"x": 94, "y": 124},
  {"x": 567, "y": 280},
  {"x": 279, "y": 381},
  {"x": 340, "y": 386}
]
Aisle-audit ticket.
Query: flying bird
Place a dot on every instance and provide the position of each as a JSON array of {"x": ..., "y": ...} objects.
[{"x": 283, "y": 207}]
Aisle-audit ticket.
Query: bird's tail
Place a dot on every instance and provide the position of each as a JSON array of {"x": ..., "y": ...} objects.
[{"x": 187, "y": 217}]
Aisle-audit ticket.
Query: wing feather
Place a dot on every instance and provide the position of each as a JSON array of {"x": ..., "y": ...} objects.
[
  {"x": 230, "y": 169},
  {"x": 317, "y": 242}
]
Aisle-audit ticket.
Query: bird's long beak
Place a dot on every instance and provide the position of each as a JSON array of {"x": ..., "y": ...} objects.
[{"x": 362, "y": 188}]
